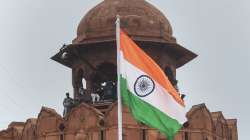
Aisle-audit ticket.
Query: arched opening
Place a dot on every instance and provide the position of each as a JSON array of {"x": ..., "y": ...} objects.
[
  {"x": 80, "y": 79},
  {"x": 104, "y": 72},
  {"x": 104, "y": 81},
  {"x": 79, "y": 83},
  {"x": 77, "y": 76}
]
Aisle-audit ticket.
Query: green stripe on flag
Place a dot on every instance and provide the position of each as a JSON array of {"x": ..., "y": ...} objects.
[{"x": 148, "y": 114}]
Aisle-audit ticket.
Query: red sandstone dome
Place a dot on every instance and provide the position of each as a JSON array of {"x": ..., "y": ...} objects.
[
  {"x": 139, "y": 18},
  {"x": 144, "y": 23}
]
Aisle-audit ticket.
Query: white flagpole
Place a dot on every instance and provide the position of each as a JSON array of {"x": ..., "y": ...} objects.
[{"x": 118, "y": 78}]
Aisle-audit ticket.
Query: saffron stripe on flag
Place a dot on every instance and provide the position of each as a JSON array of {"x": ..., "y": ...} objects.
[
  {"x": 140, "y": 59},
  {"x": 158, "y": 98}
]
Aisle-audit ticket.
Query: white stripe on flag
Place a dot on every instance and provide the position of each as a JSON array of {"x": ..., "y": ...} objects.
[{"x": 160, "y": 98}]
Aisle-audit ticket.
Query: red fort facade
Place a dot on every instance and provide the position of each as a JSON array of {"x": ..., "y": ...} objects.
[{"x": 92, "y": 57}]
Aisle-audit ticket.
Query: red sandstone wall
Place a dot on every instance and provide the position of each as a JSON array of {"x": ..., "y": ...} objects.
[{"x": 86, "y": 123}]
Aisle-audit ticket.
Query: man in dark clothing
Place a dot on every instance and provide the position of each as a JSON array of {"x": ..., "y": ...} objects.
[{"x": 68, "y": 103}]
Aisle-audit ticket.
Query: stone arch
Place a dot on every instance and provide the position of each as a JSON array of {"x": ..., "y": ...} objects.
[
  {"x": 105, "y": 71},
  {"x": 48, "y": 122},
  {"x": 78, "y": 80},
  {"x": 77, "y": 76},
  {"x": 29, "y": 130},
  {"x": 199, "y": 117},
  {"x": 83, "y": 121}
]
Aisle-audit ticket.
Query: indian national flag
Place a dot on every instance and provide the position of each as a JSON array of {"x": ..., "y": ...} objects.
[{"x": 146, "y": 90}]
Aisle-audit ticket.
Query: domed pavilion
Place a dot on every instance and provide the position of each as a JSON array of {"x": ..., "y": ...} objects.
[
  {"x": 92, "y": 58},
  {"x": 92, "y": 54}
]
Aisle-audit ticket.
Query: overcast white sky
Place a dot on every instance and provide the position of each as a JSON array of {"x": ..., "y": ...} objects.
[{"x": 31, "y": 31}]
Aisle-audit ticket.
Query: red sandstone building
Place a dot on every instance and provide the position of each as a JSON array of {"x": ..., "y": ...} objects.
[{"x": 92, "y": 56}]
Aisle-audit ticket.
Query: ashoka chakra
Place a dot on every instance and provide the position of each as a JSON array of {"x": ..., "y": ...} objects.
[{"x": 144, "y": 85}]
